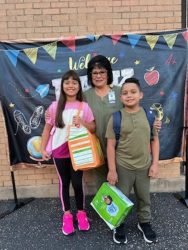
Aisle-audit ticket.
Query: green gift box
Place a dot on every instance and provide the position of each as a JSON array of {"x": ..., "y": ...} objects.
[{"x": 111, "y": 205}]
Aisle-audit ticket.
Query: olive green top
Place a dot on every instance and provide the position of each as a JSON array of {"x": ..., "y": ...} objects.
[
  {"x": 133, "y": 150},
  {"x": 102, "y": 108}
]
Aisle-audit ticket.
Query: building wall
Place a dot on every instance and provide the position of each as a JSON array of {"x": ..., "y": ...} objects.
[
  {"x": 32, "y": 19},
  {"x": 53, "y": 18}
]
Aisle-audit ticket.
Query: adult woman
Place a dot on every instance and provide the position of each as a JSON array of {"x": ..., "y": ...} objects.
[{"x": 103, "y": 97}]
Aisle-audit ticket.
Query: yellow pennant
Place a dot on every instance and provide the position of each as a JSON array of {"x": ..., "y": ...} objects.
[
  {"x": 31, "y": 54},
  {"x": 51, "y": 49},
  {"x": 97, "y": 37},
  {"x": 152, "y": 40},
  {"x": 170, "y": 39}
]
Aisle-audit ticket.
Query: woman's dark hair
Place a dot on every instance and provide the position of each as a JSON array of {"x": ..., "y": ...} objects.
[
  {"x": 63, "y": 98},
  {"x": 99, "y": 61},
  {"x": 132, "y": 80}
]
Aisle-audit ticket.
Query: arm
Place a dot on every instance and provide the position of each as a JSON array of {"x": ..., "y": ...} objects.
[
  {"x": 44, "y": 141},
  {"x": 153, "y": 170},
  {"x": 87, "y": 120},
  {"x": 112, "y": 177},
  {"x": 77, "y": 121},
  {"x": 89, "y": 125},
  {"x": 47, "y": 115},
  {"x": 157, "y": 124}
]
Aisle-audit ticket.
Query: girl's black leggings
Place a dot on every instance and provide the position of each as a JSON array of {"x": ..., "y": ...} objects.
[{"x": 67, "y": 174}]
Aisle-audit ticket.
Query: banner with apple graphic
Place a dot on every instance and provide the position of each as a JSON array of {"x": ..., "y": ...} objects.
[{"x": 30, "y": 76}]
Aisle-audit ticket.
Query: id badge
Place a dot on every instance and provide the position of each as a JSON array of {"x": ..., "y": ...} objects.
[{"x": 111, "y": 97}]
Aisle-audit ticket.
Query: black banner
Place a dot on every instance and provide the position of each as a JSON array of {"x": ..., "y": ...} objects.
[{"x": 30, "y": 76}]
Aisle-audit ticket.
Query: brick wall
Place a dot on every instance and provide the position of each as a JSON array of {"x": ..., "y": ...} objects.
[
  {"x": 28, "y": 19},
  {"x": 53, "y": 18}
]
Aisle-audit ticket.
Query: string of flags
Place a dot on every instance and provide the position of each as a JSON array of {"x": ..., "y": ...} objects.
[{"x": 70, "y": 42}]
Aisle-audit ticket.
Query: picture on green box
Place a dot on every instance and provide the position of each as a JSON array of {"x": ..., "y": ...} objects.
[{"x": 111, "y": 208}]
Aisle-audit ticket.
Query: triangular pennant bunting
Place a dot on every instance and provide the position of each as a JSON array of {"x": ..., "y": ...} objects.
[
  {"x": 170, "y": 39},
  {"x": 151, "y": 40},
  {"x": 116, "y": 38},
  {"x": 51, "y": 49},
  {"x": 69, "y": 42},
  {"x": 31, "y": 54},
  {"x": 97, "y": 37},
  {"x": 185, "y": 35},
  {"x": 133, "y": 39},
  {"x": 12, "y": 56},
  {"x": 91, "y": 37}
]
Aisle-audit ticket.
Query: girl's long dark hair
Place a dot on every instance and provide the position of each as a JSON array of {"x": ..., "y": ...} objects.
[{"x": 63, "y": 98}]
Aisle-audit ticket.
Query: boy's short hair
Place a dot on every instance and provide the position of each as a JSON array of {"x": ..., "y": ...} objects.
[{"x": 132, "y": 80}]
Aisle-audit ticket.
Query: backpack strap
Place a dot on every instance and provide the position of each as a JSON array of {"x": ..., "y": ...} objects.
[
  {"x": 117, "y": 125},
  {"x": 151, "y": 118}
]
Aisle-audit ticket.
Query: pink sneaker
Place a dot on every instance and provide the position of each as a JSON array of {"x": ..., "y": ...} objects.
[
  {"x": 67, "y": 227},
  {"x": 83, "y": 223}
]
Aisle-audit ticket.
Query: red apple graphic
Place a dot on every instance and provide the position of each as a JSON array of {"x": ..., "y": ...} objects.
[{"x": 151, "y": 76}]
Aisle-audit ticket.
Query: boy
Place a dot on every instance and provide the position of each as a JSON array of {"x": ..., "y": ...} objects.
[{"x": 130, "y": 163}]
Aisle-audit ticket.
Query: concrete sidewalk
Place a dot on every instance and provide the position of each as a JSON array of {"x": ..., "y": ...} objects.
[{"x": 38, "y": 226}]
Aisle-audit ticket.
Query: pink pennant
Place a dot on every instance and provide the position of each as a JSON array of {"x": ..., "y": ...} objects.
[
  {"x": 116, "y": 38},
  {"x": 185, "y": 35},
  {"x": 69, "y": 42}
]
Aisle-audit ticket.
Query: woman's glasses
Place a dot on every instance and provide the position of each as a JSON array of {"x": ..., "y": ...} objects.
[{"x": 100, "y": 73}]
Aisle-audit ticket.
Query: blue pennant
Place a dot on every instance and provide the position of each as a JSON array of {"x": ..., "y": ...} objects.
[
  {"x": 133, "y": 39},
  {"x": 12, "y": 55},
  {"x": 91, "y": 37}
]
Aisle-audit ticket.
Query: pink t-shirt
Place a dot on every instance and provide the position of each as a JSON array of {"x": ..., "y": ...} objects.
[{"x": 59, "y": 141}]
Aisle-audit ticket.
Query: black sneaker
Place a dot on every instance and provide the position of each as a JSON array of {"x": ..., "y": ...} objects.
[
  {"x": 148, "y": 234},
  {"x": 119, "y": 236}
]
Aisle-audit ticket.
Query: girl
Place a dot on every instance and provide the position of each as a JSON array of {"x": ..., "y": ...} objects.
[{"x": 61, "y": 114}]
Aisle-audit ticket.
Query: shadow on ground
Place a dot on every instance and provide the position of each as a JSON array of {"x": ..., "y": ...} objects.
[{"x": 38, "y": 226}]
